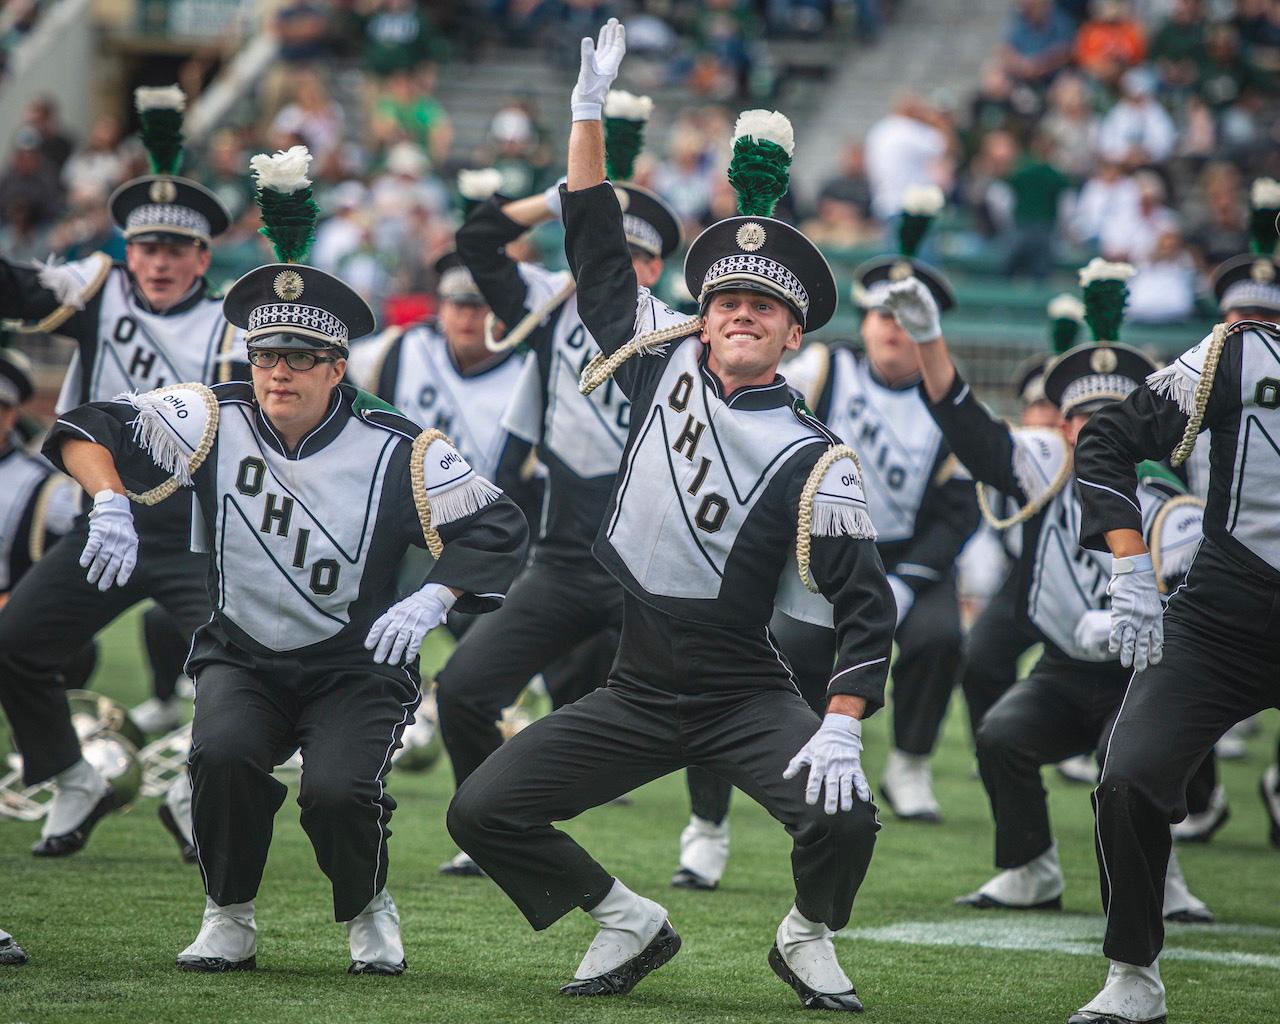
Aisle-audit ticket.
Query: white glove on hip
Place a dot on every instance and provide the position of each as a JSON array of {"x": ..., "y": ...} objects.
[
  {"x": 111, "y": 551},
  {"x": 916, "y": 309},
  {"x": 1093, "y": 635},
  {"x": 1137, "y": 615},
  {"x": 904, "y": 597},
  {"x": 400, "y": 630},
  {"x": 600, "y": 63},
  {"x": 834, "y": 757}
]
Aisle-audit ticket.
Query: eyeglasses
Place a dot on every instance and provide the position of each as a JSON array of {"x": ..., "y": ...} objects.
[{"x": 298, "y": 360}]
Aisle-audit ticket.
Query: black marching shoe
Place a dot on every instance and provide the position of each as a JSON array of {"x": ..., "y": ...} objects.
[
  {"x": 11, "y": 954},
  {"x": 215, "y": 964},
  {"x": 67, "y": 843},
  {"x": 687, "y": 879},
  {"x": 979, "y": 900},
  {"x": 462, "y": 866},
  {"x": 813, "y": 1000},
  {"x": 389, "y": 970},
  {"x": 623, "y": 979},
  {"x": 170, "y": 823}
]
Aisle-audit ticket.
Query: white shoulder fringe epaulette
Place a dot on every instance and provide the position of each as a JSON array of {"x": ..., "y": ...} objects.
[
  {"x": 1191, "y": 396},
  {"x": 1042, "y": 466},
  {"x": 176, "y": 426},
  {"x": 445, "y": 487},
  {"x": 831, "y": 508}
]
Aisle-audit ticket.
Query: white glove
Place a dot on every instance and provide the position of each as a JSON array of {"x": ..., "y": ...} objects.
[
  {"x": 903, "y": 596},
  {"x": 600, "y": 63},
  {"x": 1093, "y": 635},
  {"x": 111, "y": 551},
  {"x": 552, "y": 198},
  {"x": 916, "y": 309},
  {"x": 1137, "y": 616},
  {"x": 400, "y": 630},
  {"x": 834, "y": 756}
]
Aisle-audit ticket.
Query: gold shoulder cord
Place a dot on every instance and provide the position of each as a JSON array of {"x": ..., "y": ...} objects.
[
  {"x": 164, "y": 490},
  {"x": 820, "y": 378},
  {"x": 224, "y": 354},
  {"x": 62, "y": 314},
  {"x": 1157, "y": 526},
  {"x": 528, "y": 322},
  {"x": 1032, "y": 507},
  {"x": 1204, "y": 385},
  {"x": 40, "y": 512},
  {"x": 418, "y": 482},
  {"x": 804, "y": 520},
  {"x": 602, "y": 367}
]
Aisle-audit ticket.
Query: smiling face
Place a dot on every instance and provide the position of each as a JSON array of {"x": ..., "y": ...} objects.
[
  {"x": 748, "y": 332},
  {"x": 295, "y": 401},
  {"x": 165, "y": 271}
]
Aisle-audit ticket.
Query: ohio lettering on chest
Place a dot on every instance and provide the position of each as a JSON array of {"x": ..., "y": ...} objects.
[
  {"x": 712, "y": 506},
  {"x": 588, "y": 433}
]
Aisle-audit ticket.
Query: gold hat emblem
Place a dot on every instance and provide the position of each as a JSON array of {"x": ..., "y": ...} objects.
[
  {"x": 750, "y": 236},
  {"x": 1103, "y": 360},
  {"x": 163, "y": 191},
  {"x": 624, "y": 198},
  {"x": 288, "y": 285},
  {"x": 1263, "y": 272},
  {"x": 901, "y": 270}
]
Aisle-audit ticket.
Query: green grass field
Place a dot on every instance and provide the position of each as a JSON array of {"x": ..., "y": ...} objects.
[{"x": 103, "y": 927}]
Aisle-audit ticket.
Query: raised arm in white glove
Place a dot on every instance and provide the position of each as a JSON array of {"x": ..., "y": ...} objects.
[
  {"x": 916, "y": 309},
  {"x": 1137, "y": 614},
  {"x": 903, "y": 596},
  {"x": 1093, "y": 635},
  {"x": 834, "y": 757},
  {"x": 600, "y": 63},
  {"x": 398, "y": 634},
  {"x": 111, "y": 551}
]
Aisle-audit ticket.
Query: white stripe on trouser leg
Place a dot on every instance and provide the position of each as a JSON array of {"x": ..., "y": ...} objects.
[{"x": 382, "y": 775}]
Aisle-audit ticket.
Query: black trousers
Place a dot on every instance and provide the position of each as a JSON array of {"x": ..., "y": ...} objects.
[
  {"x": 550, "y": 611},
  {"x": 347, "y": 714},
  {"x": 679, "y": 694},
  {"x": 1221, "y": 664},
  {"x": 998, "y": 639},
  {"x": 53, "y": 612},
  {"x": 167, "y": 648}
]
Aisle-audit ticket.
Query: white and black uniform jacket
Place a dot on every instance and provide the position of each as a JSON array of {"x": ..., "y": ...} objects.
[
  {"x": 37, "y": 505},
  {"x": 579, "y": 438},
  {"x": 305, "y": 542},
  {"x": 1242, "y": 511},
  {"x": 1058, "y": 580},
  {"x": 124, "y": 345},
  {"x": 921, "y": 500},
  {"x": 702, "y": 521}
]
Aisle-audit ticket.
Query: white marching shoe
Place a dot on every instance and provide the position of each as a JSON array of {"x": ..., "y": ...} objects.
[
  {"x": 1131, "y": 995},
  {"x": 461, "y": 864},
  {"x": 635, "y": 938},
  {"x": 175, "y": 815},
  {"x": 907, "y": 785},
  {"x": 804, "y": 956},
  {"x": 154, "y": 715},
  {"x": 704, "y": 852},
  {"x": 228, "y": 940},
  {"x": 82, "y": 798},
  {"x": 1269, "y": 787},
  {"x": 1082, "y": 769},
  {"x": 374, "y": 934},
  {"x": 1199, "y": 828},
  {"x": 1036, "y": 885},
  {"x": 1179, "y": 903}
]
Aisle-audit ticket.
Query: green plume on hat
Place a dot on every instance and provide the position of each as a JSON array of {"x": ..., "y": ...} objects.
[
  {"x": 160, "y": 113},
  {"x": 1105, "y": 295},
  {"x": 625, "y": 117},
  {"x": 1066, "y": 317},
  {"x": 760, "y": 170},
  {"x": 920, "y": 205},
  {"x": 1264, "y": 218},
  {"x": 289, "y": 212}
]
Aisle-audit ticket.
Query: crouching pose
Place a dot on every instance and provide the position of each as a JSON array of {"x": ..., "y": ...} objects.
[
  {"x": 310, "y": 493},
  {"x": 728, "y": 495}
]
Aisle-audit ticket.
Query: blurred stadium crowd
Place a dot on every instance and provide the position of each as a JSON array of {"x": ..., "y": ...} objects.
[{"x": 1129, "y": 129}]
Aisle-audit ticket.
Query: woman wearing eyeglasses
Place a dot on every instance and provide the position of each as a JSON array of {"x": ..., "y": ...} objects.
[{"x": 310, "y": 492}]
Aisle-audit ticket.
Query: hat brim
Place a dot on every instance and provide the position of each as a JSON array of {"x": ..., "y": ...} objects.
[
  {"x": 654, "y": 211},
  {"x": 882, "y": 270},
  {"x": 322, "y": 298},
  {"x": 190, "y": 194},
  {"x": 1081, "y": 362}
]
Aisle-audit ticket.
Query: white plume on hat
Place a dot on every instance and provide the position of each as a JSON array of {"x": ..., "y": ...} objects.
[
  {"x": 159, "y": 97},
  {"x": 1265, "y": 194},
  {"x": 923, "y": 200},
  {"x": 1098, "y": 269},
  {"x": 285, "y": 171},
  {"x": 479, "y": 184},
  {"x": 627, "y": 106},
  {"x": 766, "y": 126},
  {"x": 1066, "y": 307}
]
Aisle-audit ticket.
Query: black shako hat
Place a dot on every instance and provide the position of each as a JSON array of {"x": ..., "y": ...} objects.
[
  {"x": 15, "y": 378},
  {"x": 763, "y": 255},
  {"x": 872, "y": 279},
  {"x": 292, "y": 305},
  {"x": 648, "y": 221},
  {"x": 1028, "y": 378},
  {"x": 1087, "y": 377},
  {"x": 1248, "y": 281},
  {"x": 161, "y": 208},
  {"x": 455, "y": 282}
]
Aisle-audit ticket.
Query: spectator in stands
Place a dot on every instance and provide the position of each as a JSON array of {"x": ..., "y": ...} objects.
[
  {"x": 1177, "y": 48},
  {"x": 406, "y": 111},
  {"x": 1224, "y": 72},
  {"x": 725, "y": 30},
  {"x": 22, "y": 237},
  {"x": 301, "y": 31},
  {"x": 685, "y": 177},
  {"x": 911, "y": 146},
  {"x": 404, "y": 185},
  {"x": 1071, "y": 127},
  {"x": 29, "y": 188},
  {"x": 1000, "y": 103},
  {"x": 222, "y": 172},
  {"x": 315, "y": 119},
  {"x": 986, "y": 192},
  {"x": 516, "y": 150},
  {"x": 397, "y": 37},
  {"x": 1133, "y": 235},
  {"x": 55, "y": 145},
  {"x": 850, "y": 184},
  {"x": 1258, "y": 24},
  {"x": 99, "y": 163},
  {"x": 339, "y": 234},
  {"x": 1110, "y": 195},
  {"x": 1163, "y": 291},
  {"x": 840, "y": 224},
  {"x": 1038, "y": 188},
  {"x": 1220, "y": 220},
  {"x": 1137, "y": 131},
  {"x": 1110, "y": 42},
  {"x": 1038, "y": 43},
  {"x": 86, "y": 226}
]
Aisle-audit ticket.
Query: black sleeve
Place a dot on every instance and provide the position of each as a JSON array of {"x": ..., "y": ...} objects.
[
  {"x": 982, "y": 443},
  {"x": 596, "y": 247},
  {"x": 23, "y": 297},
  {"x": 482, "y": 242},
  {"x": 109, "y": 424},
  {"x": 514, "y": 478},
  {"x": 947, "y": 518}
]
